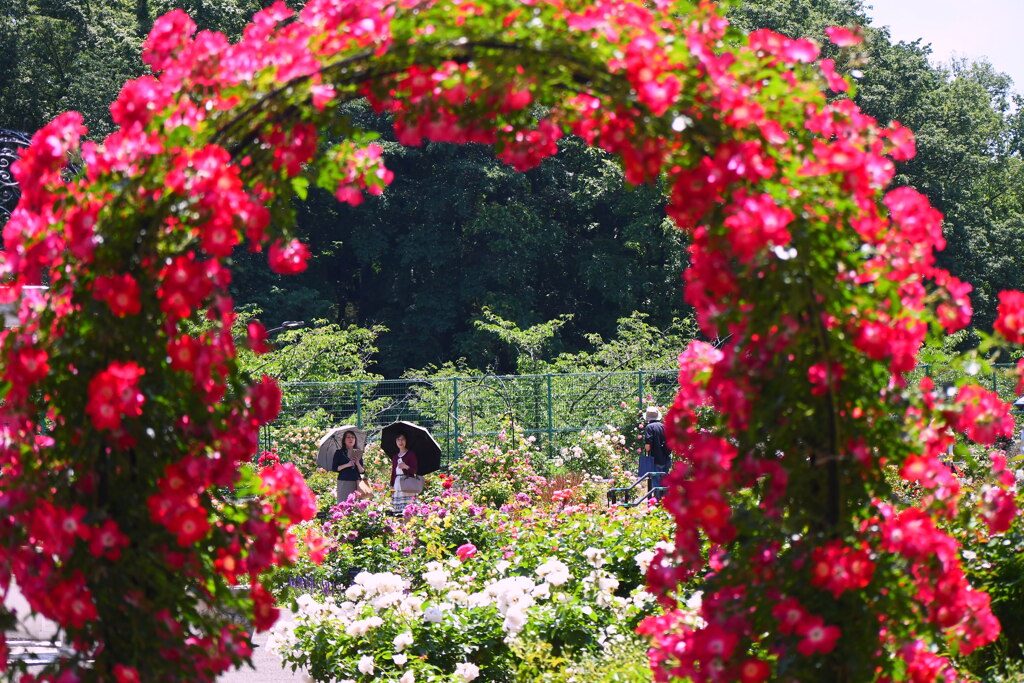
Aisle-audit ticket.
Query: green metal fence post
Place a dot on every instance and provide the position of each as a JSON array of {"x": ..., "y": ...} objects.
[
  {"x": 455, "y": 413},
  {"x": 639, "y": 389},
  {"x": 359, "y": 403},
  {"x": 551, "y": 422}
]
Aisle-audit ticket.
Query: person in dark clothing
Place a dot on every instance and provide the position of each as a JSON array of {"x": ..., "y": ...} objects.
[
  {"x": 656, "y": 456},
  {"x": 348, "y": 463}
]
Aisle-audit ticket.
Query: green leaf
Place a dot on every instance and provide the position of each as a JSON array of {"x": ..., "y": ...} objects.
[{"x": 300, "y": 185}]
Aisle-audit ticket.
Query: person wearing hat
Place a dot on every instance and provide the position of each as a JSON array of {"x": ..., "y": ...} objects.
[{"x": 656, "y": 456}]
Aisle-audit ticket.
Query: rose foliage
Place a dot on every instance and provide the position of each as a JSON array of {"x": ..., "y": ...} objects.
[{"x": 123, "y": 436}]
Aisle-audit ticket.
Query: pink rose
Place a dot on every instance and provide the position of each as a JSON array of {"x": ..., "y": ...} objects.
[{"x": 466, "y": 551}]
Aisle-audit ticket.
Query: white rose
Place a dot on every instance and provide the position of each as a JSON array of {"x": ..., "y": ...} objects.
[
  {"x": 459, "y": 597},
  {"x": 643, "y": 560},
  {"x": 515, "y": 620},
  {"x": 366, "y": 665},
  {"x": 466, "y": 671},
  {"x": 438, "y": 580},
  {"x": 595, "y": 556},
  {"x": 408, "y": 677},
  {"x": 357, "y": 628},
  {"x": 400, "y": 660},
  {"x": 557, "y": 578},
  {"x": 402, "y": 641},
  {"x": 432, "y": 614},
  {"x": 411, "y": 606},
  {"x": 305, "y": 602},
  {"x": 556, "y": 568},
  {"x": 480, "y": 599}
]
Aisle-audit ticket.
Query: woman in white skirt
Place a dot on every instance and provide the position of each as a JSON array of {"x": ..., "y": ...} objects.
[{"x": 403, "y": 462}]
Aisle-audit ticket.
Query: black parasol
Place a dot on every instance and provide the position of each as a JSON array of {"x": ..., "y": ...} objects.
[{"x": 418, "y": 440}]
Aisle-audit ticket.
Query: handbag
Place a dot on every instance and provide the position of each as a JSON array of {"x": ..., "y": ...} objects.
[
  {"x": 364, "y": 490},
  {"x": 409, "y": 483}
]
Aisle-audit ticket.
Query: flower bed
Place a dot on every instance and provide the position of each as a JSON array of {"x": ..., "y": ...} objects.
[{"x": 456, "y": 592}]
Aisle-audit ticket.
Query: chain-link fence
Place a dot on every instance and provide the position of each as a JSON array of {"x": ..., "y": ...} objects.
[
  {"x": 551, "y": 408},
  {"x": 459, "y": 409},
  {"x": 1002, "y": 378}
]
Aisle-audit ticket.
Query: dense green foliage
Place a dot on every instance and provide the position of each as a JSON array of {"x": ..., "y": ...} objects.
[
  {"x": 61, "y": 55},
  {"x": 459, "y": 231}
]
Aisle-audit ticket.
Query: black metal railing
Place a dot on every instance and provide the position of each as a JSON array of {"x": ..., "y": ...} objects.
[
  {"x": 613, "y": 494},
  {"x": 11, "y": 144}
]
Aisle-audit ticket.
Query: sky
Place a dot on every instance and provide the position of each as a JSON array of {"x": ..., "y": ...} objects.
[{"x": 964, "y": 28}]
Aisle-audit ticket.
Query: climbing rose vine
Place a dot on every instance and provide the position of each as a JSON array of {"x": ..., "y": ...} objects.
[{"x": 125, "y": 509}]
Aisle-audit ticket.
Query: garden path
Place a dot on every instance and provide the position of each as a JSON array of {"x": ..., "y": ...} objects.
[
  {"x": 31, "y": 638},
  {"x": 267, "y": 666}
]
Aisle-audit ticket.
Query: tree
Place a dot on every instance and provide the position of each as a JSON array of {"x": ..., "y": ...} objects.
[
  {"x": 637, "y": 345},
  {"x": 606, "y": 248},
  {"x": 459, "y": 230},
  {"x": 62, "y": 55},
  {"x": 528, "y": 343},
  {"x": 322, "y": 352},
  {"x": 138, "y": 505},
  {"x": 968, "y": 155}
]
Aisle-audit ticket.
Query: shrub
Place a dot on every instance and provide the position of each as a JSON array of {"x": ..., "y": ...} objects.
[
  {"x": 598, "y": 453},
  {"x": 517, "y": 595},
  {"x": 297, "y": 445},
  {"x": 497, "y": 472}
]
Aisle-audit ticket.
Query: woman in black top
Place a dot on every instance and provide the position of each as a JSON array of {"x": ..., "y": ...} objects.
[{"x": 348, "y": 463}]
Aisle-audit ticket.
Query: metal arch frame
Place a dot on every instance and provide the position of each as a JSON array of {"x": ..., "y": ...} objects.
[{"x": 11, "y": 142}]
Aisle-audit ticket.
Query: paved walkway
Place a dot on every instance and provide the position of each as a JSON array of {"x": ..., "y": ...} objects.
[
  {"x": 32, "y": 636},
  {"x": 267, "y": 666}
]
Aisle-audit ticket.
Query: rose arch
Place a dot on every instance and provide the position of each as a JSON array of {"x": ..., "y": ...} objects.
[{"x": 124, "y": 506}]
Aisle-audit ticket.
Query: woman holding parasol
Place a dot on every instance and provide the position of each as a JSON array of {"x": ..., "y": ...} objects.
[{"x": 414, "y": 452}]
